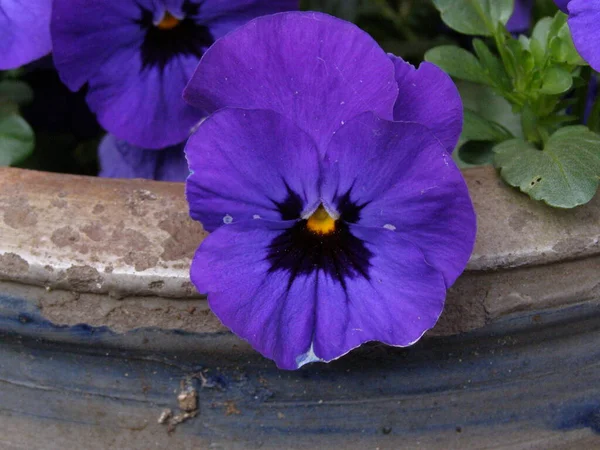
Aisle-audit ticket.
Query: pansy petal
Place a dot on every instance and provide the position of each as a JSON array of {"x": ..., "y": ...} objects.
[
  {"x": 521, "y": 16},
  {"x": 224, "y": 16},
  {"x": 275, "y": 316},
  {"x": 400, "y": 299},
  {"x": 247, "y": 164},
  {"x": 399, "y": 177},
  {"x": 118, "y": 159},
  {"x": 563, "y": 4},
  {"x": 24, "y": 31},
  {"x": 135, "y": 98},
  {"x": 584, "y": 21},
  {"x": 296, "y": 64},
  {"x": 429, "y": 96}
]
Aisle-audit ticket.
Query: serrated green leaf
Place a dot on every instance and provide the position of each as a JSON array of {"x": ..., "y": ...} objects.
[
  {"x": 478, "y": 128},
  {"x": 491, "y": 64},
  {"x": 564, "y": 174},
  {"x": 16, "y": 139},
  {"x": 556, "y": 81},
  {"x": 457, "y": 63},
  {"x": 475, "y": 17}
]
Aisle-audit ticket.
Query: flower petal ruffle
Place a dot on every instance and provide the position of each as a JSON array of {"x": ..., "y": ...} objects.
[
  {"x": 118, "y": 159},
  {"x": 24, "y": 31},
  {"x": 403, "y": 298},
  {"x": 297, "y": 65},
  {"x": 403, "y": 179},
  {"x": 249, "y": 164},
  {"x": 584, "y": 22},
  {"x": 429, "y": 96},
  {"x": 262, "y": 307}
]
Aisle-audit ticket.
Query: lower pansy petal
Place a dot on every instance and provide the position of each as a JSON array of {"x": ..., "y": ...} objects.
[
  {"x": 399, "y": 299},
  {"x": 327, "y": 81},
  {"x": 118, "y": 159},
  {"x": 250, "y": 164},
  {"x": 428, "y": 96},
  {"x": 144, "y": 106},
  {"x": 396, "y": 175},
  {"x": 274, "y": 313},
  {"x": 24, "y": 31},
  {"x": 584, "y": 20}
]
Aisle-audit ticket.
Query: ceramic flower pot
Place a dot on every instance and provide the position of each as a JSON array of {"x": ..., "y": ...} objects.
[{"x": 99, "y": 325}]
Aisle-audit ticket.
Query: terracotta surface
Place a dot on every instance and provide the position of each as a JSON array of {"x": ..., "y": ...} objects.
[{"x": 79, "y": 238}]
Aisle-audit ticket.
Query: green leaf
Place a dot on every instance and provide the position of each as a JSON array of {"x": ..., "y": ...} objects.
[
  {"x": 556, "y": 81},
  {"x": 478, "y": 128},
  {"x": 491, "y": 64},
  {"x": 16, "y": 92},
  {"x": 564, "y": 174},
  {"x": 457, "y": 63},
  {"x": 476, "y": 17},
  {"x": 491, "y": 106},
  {"x": 16, "y": 139},
  {"x": 474, "y": 153}
]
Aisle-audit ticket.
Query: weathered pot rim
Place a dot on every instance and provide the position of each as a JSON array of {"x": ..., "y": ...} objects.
[{"x": 133, "y": 238}]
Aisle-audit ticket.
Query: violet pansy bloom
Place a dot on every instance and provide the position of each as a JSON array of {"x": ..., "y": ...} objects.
[
  {"x": 332, "y": 225},
  {"x": 136, "y": 57},
  {"x": 24, "y": 31},
  {"x": 119, "y": 159},
  {"x": 584, "y": 23}
]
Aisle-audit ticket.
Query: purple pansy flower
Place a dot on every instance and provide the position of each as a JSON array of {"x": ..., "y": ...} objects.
[
  {"x": 332, "y": 225},
  {"x": 24, "y": 31},
  {"x": 137, "y": 55},
  {"x": 584, "y": 23},
  {"x": 119, "y": 159}
]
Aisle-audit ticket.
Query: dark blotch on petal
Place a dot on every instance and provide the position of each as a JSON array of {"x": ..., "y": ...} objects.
[
  {"x": 290, "y": 208},
  {"x": 340, "y": 254},
  {"x": 349, "y": 211},
  {"x": 187, "y": 38}
]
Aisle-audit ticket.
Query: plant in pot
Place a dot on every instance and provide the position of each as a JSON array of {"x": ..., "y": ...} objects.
[{"x": 324, "y": 173}]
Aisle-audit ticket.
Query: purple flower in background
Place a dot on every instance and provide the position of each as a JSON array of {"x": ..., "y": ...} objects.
[
  {"x": 521, "y": 17},
  {"x": 136, "y": 57},
  {"x": 562, "y": 5},
  {"x": 24, "y": 31},
  {"x": 584, "y": 23},
  {"x": 331, "y": 225},
  {"x": 118, "y": 159}
]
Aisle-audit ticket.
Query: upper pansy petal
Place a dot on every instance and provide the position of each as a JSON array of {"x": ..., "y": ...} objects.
[
  {"x": 584, "y": 22},
  {"x": 249, "y": 164},
  {"x": 264, "y": 307},
  {"x": 396, "y": 175},
  {"x": 401, "y": 297},
  {"x": 298, "y": 65},
  {"x": 428, "y": 96},
  {"x": 119, "y": 159},
  {"x": 24, "y": 31}
]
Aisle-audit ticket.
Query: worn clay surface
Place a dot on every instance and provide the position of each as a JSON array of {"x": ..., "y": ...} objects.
[
  {"x": 117, "y": 237},
  {"x": 117, "y": 253}
]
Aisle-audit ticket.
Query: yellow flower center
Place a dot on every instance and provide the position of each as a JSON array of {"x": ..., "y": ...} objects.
[
  {"x": 320, "y": 222},
  {"x": 168, "y": 22}
]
